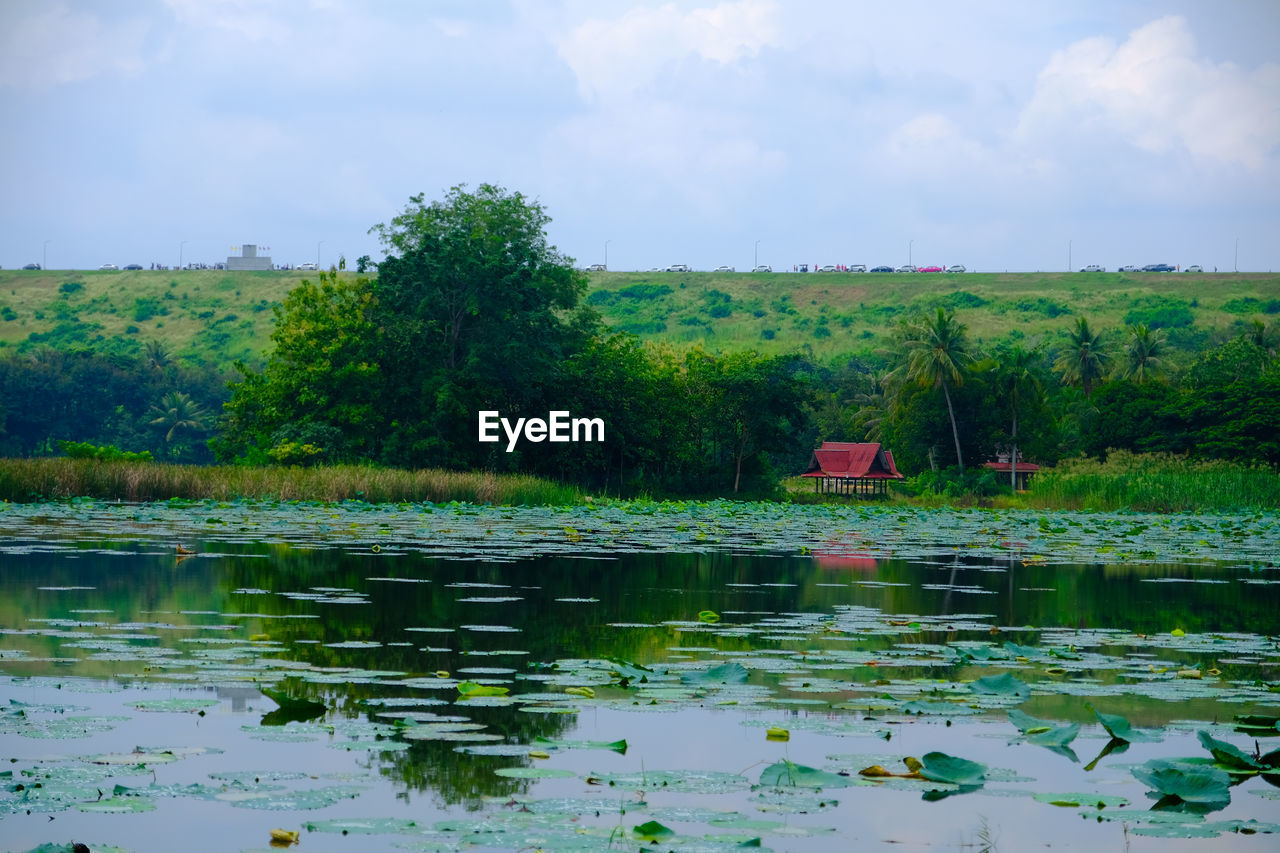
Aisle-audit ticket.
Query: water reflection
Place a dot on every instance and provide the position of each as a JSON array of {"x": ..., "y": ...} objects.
[{"x": 381, "y": 627}]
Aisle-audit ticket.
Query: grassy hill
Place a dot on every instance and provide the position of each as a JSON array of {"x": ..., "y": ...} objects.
[{"x": 216, "y": 317}]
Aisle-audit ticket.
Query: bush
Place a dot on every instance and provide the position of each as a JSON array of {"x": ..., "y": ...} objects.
[
  {"x": 954, "y": 483},
  {"x": 101, "y": 453},
  {"x": 70, "y": 287},
  {"x": 1160, "y": 312}
]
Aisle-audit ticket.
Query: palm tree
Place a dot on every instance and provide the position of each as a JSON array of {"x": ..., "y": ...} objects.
[
  {"x": 177, "y": 411},
  {"x": 937, "y": 354},
  {"x": 1016, "y": 377},
  {"x": 1142, "y": 353},
  {"x": 156, "y": 356},
  {"x": 1085, "y": 360}
]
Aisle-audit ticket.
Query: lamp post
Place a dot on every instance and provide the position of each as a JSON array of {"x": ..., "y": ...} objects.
[
  {"x": 180, "y": 248},
  {"x": 606, "y": 253},
  {"x": 756, "y": 257},
  {"x": 910, "y": 243},
  {"x": 318, "y": 245},
  {"x": 1068, "y": 256},
  {"x": 1235, "y": 264},
  {"x": 44, "y": 255}
]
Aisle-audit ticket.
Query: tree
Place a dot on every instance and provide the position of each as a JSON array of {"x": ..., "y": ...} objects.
[
  {"x": 937, "y": 353},
  {"x": 177, "y": 411},
  {"x": 1143, "y": 354},
  {"x": 1084, "y": 361},
  {"x": 1016, "y": 379}
]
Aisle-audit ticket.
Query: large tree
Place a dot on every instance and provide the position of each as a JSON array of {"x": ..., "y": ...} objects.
[{"x": 937, "y": 354}]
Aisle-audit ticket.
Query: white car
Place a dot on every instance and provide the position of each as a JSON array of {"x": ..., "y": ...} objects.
[
  {"x": 828, "y": 268},
  {"x": 108, "y": 267},
  {"x": 1128, "y": 268},
  {"x": 858, "y": 268},
  {"x": 905, "y": 268},
  {"x": 723, "y": 269},
  {"x": 308, "y": 267},
  {"x": 956, "y": 268},
  {"x": 1194, "y": 268},
  {"x": 678, "y": 268},
  {"x": 596, "y": 268},
  {"x": 1094, "y": 268},
  {"x": 763, "y": 268}
]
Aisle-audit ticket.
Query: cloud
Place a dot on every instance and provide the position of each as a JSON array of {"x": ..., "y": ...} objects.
[
  {"x": 56, "y": 46},
  {"x": 622, "y": 55},
  {"x": 1154, "y": 93}
]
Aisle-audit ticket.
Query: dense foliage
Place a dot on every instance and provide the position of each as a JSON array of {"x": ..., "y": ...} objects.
[{"x": 473, "y": 310}]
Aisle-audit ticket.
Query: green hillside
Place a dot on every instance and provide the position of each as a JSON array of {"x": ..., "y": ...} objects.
[{"x": 215, "y": 317}]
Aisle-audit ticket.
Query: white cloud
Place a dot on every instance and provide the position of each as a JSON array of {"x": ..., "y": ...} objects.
[
  {"x": 621, "y": 55},
  {"x": 57, "y": 46},
  {"x": 1156, "y": 94}
]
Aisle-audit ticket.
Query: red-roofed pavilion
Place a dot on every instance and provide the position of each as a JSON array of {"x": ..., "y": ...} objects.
[{"x": 851, "y": 468}]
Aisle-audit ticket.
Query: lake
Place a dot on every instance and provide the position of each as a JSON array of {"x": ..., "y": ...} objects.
[{"x": 685, "y": 676}]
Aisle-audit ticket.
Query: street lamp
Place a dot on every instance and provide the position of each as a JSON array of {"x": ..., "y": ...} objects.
[
  {"x": 44, "y": 255},
  {"x": 909, "y": 245},
  {"x": 318, "y": 245},
  {"x": 756, "y": 256},
  {"x": 180, "y": 247},
  {"x": 1236, "y": 263},
  {"x": 606, "y": 253}
]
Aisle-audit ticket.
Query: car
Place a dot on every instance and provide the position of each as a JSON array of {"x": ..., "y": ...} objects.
[
  {"x": 956, "y": 268},
  {"x": 934, "y": 268},
  {"x": 763, "y": 268},
  {"x": 882, "y": 268},
  {"x": 133, "y": 266},
  {"x": 905, "y": 268},
  {"x": 596, "y": 268},
  {"x": 1158, "y": 268},
  {"x": 32, "y": 267},
  {"x": 1128, "y": 268},
  {"x": 723, "y": 268},
  {"x": 858, "y": 268},
  {"x": 308, "y": 266},
  {"x": 1194, "y": 268},
  {"x": 828, "y": 268},
  {"x": 108, "y": 267},
  {"x": 678, "y": 268},
  {"x": 1093, "y": 268}
]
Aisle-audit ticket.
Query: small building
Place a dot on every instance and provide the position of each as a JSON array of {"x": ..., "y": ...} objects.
[
  {"x": 1004, "y": 469},
  {"x": 852, "y": 468},
  {"x": 249, "y": 259}
]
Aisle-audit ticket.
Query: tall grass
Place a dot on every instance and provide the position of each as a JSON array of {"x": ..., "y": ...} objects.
[
  {"x": 26, "y": 480},
  {"x": 1156, "y": 482}
]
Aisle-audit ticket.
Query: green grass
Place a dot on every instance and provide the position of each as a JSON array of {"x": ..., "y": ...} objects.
[
  {"x": 26, "y": 480},
  {"x": 216, "y": 317},
  {"x": 1156, "y": 482}
]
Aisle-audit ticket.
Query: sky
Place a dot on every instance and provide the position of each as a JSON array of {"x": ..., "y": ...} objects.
[{"x": 998, "y": 135}]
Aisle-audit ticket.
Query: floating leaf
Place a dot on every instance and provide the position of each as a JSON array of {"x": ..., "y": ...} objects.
[
  {"x": 653, "y": 831},
  {"x": 725, "y": 673},
  {"x": 940, "y": 767},
  {"x": 1004, "y": 684},
  {"x": 1188, "y": 783},
  {"x": 1229, "y": 757},
  {"x": 787, "y": 774},
  {"x": 470, "y": 688},
  {"x": 1119, "y": 729}
]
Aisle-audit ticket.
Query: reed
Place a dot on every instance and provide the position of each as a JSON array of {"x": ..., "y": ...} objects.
[
  {"x": 29, "y": 480},
  {"x": 1155, "y": 482}
]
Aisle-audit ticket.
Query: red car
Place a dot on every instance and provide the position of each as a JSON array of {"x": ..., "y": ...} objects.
[{"x": 929, "y": 269}]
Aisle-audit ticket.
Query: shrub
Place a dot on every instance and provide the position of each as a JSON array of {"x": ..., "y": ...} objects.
[
  {"x": 101, "y": 453},
  {"x": 69, "y": 287}
]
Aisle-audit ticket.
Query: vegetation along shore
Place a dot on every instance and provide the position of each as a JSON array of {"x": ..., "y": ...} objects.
[{"x": 709, "y": 383}]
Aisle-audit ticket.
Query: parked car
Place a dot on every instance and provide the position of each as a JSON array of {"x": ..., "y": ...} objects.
[
  {"x": 827, "y": 268},
  {"x": 1093, "y": 268},
  {"x": 678, "y": 268},
  {"x": 763, "y": 268},
  {"x": 858, "y": 268},
  {"x": 723, "y": 268},
  {"x": 934, "y": 268},
  {"x": 308, "y": 266},
  {"x": 1128, "y": 268},
  {"x": 32, "y": 267},
  {"x": 905, "y": 268},
  {"x": 1194, "y": 268},
  {"x": 882, "y": 268},
  {"x": 133, "y": 266},
  {"x": 596, "y": 268},
  {"x": 956, "y": 268},
  {"x": 1158, "y": 268},
  {"x": 108, "y": 267}
]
